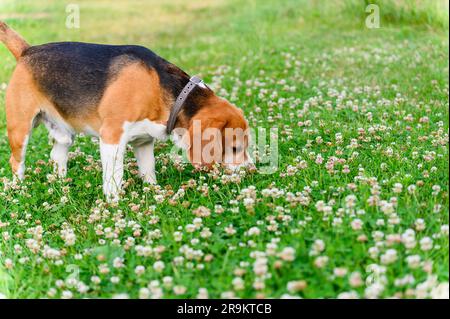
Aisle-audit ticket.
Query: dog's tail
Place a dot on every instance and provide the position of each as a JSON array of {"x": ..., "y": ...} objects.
[{"x": 13, "y": 41}]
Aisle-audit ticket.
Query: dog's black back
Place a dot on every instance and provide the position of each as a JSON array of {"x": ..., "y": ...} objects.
[{"x": 75, "y": 75}]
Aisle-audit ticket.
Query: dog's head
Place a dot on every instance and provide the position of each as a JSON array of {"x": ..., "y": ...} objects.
[{"x": 218, "y": 133}]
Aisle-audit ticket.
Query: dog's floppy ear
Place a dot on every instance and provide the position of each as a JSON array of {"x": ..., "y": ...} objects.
[{"x": 204, "y": 141}]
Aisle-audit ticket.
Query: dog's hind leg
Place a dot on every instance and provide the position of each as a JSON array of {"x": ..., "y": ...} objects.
[
  {"x": 145, "y": 157},
  {"x": 60, "y": 155},
  {"x": 62, "y": 137},
  {"x": 21, "y": 110},
  {"x": 18, "y": 135}
]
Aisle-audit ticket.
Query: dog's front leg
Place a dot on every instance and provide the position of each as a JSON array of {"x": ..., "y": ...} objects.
[{"x": 112, "y": 156}]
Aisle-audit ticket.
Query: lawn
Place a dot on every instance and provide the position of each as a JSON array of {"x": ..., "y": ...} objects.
[{"x": 357, "y": 206}]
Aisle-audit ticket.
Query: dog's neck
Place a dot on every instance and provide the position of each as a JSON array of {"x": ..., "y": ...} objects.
[
  {"x": 199, "y": 98},
  {"x": 185, "y": 117}
]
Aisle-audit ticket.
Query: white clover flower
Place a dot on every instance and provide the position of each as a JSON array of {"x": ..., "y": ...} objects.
[
  {"x": 348, "y": 295},
  {"x": 337, "y": 221},
  {"x": 386, "y": 207},
  {"x": 202, "y": 211},
  {"x": 436, "y": 190},
  {"x": 340, "y": 271},
  {"x": 190, "y": 228},
  {"x": 355, "y": 279},
  {"x": 260, "y": 267},
  {"x": 118, "y": 262},
  {"x": 139, "y": 270},
  {"x": 198, "y": 222},
  {"x": 51, "y": 293},
  {"x": 411, "y": 189},
  {"x": 296, "y": 286},
  {"x": 229, "y": 230},
  {"x": 66, "y": 294},
  {"x": 205, "y": 233},
  {"x": 51, "y": 253},
  {"x": 437, "y": 208},
  {"x": 404, "y": 281},
  {"x": 419, "y": 224},
  {"x": 218, "y": 209},
  {"x": 202, "y": 293},
  {"x": 144, "y": 293},
  {"x": 95, "y": 280},
  {"x": 167, "y": 281},
  {"x": 259, "y": 284},
  {"x": 179, "y": 290},
  {"x": 389, "y": 257},
  {"x": 248, "y": 202},
  {"x": 238, "y": 283},
  {"x": 398, "y": 187},
  {"x": 374, "y": 291},
  {"x": 82, "y": 288},
  {"x": 177, "y": 236},
  {"x": 158, "y": 266},
  {"x": 409, "y": 239},
  {"x": 159, "y": 198},
  {"x": 321, "y": 261},
  {"x": 441, "y": 291},
  {"x": 426, "y": 243},
  {"x": 350, "y": 201},
  {"x": 357, "y": 224},
  {"x": 413, "y": 261},
  {"x": 228, "y": 295},
  {"x": 317, "y": 247},
  {"x": 254, "y": 231},
  {"x": 287, "y": 254},
  {"x": 71, "y": 282}
]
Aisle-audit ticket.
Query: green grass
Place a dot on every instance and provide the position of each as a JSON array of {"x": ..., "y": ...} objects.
[{"x": 385, "y": 91}]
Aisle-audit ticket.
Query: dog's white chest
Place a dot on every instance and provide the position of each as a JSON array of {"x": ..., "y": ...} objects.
[{"x": 144, "y": 130}]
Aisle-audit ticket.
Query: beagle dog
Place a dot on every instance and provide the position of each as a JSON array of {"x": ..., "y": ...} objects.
[{"x": 121, "y": 94}]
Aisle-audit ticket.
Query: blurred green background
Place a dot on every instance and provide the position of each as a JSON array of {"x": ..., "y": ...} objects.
[{"x": 219, "y": 31}]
